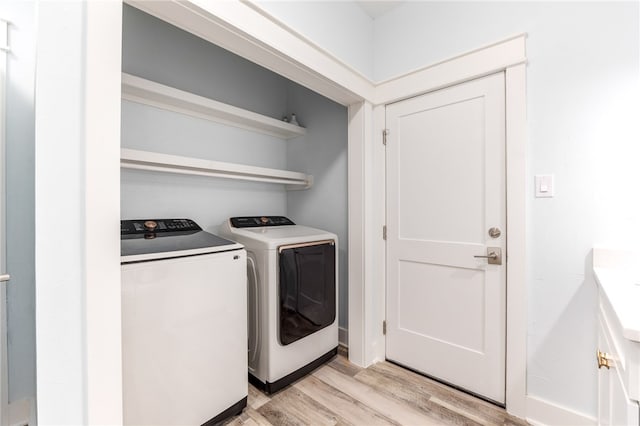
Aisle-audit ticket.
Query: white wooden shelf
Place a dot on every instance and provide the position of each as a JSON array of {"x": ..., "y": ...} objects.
[
  {"x": 147, "y": 92},
  {"x": 153, "y": 161}
]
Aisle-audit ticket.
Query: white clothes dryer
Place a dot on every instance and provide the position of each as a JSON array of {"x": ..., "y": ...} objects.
[
  {"x": 292, "y": 292},
  {"x": 184, "y": 324}
]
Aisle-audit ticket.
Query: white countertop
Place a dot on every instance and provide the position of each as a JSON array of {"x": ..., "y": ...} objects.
[{"x": 617, "y": 273}]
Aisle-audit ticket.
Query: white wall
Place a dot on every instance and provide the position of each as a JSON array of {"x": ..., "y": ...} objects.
[
  {"x": 322, "y": 152},
  {"x": 166, "y": 54},
  {"x": 20, "y": 202},
  {"x": 340, "y": 27},
  {"x": 208, "y": 201}
]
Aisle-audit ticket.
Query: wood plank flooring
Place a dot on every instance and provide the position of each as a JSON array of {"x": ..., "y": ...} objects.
[{"x": 340, "y": 393}]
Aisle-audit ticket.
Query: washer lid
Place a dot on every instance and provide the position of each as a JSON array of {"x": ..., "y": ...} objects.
[{"x": 154, "y": 239}]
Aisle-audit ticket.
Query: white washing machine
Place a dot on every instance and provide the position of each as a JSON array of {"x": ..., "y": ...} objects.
[
  {"x": 292, "y": 287},
  {"x": 184, "y": 324}
]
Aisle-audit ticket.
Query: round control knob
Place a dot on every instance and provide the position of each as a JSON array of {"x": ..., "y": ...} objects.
[{"x": 151, "y": 225}]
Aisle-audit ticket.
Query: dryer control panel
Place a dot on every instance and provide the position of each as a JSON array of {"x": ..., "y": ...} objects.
[
  {"x": 256, "y": 221},
  {"x": 145, "y": 226}
]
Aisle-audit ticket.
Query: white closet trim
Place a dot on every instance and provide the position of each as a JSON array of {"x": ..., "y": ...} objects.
[
  {"x": 4, "y": 371},
  {"x": 243, "y": 29}
]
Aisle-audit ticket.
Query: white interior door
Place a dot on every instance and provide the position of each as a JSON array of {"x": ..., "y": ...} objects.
[{"x": 446, "y": 311}]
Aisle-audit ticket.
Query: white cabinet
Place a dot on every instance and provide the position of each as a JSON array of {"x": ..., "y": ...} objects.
[
  {"x": 618, "y": 352},
  {"x": 615, "y": 406}
]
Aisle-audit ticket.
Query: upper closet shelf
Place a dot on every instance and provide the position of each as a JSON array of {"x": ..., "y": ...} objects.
[
  {"x": 147, "y": 92},
  {"x": 154, "y": 161}
]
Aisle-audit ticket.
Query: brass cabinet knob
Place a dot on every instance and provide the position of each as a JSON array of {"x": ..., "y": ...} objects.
[{"x": 604, "y": 359}]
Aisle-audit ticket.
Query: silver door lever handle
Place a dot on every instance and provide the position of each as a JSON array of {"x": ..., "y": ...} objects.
[
  {"x": 491, "y": 255},
  {"x": 5, "y": 277}
]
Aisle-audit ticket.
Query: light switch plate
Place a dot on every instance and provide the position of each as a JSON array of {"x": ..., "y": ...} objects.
[{"x": 545, "y": 187}]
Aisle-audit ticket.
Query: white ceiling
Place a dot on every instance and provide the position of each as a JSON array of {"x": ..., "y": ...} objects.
[{"x": 375, "y": 9}]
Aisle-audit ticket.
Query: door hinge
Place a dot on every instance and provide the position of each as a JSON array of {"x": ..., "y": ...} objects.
[
  {"x": 384, "y": 327},
  {"x": 384, "y": 232},
  {"x": 385, "y": 133}
]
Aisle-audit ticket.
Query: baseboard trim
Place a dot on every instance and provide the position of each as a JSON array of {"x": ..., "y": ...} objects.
[
  {"x": 343, "y": 336},
  {"x": 20, "y": 412},
  {"x": 541, "y": 412}
]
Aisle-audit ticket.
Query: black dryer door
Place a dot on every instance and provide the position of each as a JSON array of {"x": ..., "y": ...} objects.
[{"x": 307, "y": 290}]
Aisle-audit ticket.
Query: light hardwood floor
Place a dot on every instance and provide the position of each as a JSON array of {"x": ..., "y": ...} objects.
[{"x": 340, "y": 393}]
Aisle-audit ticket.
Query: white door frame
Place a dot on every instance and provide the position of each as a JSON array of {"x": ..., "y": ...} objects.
[
  {"x": 4, "y": 373},
  {"x": 245, "y": 29},
  {"x": 508, "y": 56},
  {"x": 77, "y": 220}
]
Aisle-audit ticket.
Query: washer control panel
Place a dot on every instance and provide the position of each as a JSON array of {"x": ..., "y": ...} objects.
[
  {"x": 146, "y": 226},
  {"x": 256, "y": 221}
]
